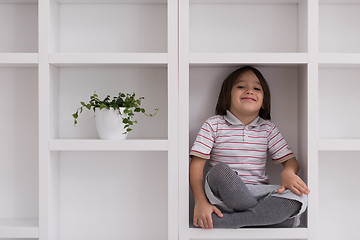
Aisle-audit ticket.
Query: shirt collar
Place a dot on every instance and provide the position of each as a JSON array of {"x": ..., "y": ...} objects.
[{"x": 230, "y": 118}]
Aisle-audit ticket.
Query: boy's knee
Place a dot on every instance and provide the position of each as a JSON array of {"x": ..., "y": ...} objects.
[
  {"x": 220, "y": 170},
  {"x": 221, "y": 167}
]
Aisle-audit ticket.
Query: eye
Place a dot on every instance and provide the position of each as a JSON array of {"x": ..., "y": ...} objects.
[
  {"x": 240, "y": 86},
  {"x": 257, "y": 89}
]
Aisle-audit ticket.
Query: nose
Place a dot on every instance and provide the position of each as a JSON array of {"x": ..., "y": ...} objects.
[{"x": 249, "y": 91}]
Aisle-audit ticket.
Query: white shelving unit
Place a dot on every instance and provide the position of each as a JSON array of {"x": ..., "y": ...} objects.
[
  {"x": 61, "y": 182},
  {"x": 19, "y": 130},
  {"x": 98, "y": 189},
  {"x": 279, "y": 38},
  {"x": 339, "y": 135}
]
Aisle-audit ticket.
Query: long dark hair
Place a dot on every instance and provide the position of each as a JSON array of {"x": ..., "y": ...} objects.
[{"x": 224, "y": 100}]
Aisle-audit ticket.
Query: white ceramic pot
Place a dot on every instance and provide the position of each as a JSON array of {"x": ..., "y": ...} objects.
[{"x": 109, "y": 123}]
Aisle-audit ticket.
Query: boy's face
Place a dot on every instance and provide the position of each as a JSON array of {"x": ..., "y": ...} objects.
[{"x": 246, "y": 95}]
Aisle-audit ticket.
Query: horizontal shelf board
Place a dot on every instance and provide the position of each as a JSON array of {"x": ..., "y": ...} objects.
[
  {"x": 19, "y": 228},
  {"x": 107, "y": 58},
  {"x": 339, "y": 144},
  {"x": 19, "y": 1},
  {"x": 247, "y": 233},
  {"x": 248, "y": 1},
  {"x": 339, "y": 2},
  {"x": 248, "y": 58},
  {"x": 113, "y": 1},
  {"x": 108, "y": 145},
  {"x": 21, "y": 59},
  {"x": 339, "y": 59}
]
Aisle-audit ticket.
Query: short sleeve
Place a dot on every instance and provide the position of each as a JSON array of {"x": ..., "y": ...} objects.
[
  {"x": 204, "y": 141},
  {"x": 278, "y": 147}
]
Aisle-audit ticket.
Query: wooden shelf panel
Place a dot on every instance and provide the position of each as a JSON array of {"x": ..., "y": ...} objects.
[
  {"x": 112, "y": 1},
  {"x": 248, "y": 1},
  {"x": 339, "y": 144},
  {"x": 107, "y": 145},
  {"x": 108, "y": 58},
  {"x": 19, "y": 228},
  {"x": 254, "y": 233},
  {"x": 19, "y": 59},
  {"x": 248, "y": 58},
  {"x": 339, "y": 59}
]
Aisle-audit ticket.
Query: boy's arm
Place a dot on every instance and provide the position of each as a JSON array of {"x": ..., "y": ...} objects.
[
  {"x": 290, "y": 179},
  {"x": 203, "y": 209}
]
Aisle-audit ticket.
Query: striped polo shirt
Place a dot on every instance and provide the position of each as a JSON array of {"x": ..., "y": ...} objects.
[{"x": 244, "y": 148}]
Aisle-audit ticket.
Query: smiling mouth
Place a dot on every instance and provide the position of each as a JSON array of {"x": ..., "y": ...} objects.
[{"x": 248, "y": 99}]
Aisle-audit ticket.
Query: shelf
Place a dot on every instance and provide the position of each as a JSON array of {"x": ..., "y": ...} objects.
[
  {"x": 19, "y": 59},
  {"x": 339, "y": 1},
  {"x": 19, "y": 26},
  {"x": 338, "y": 26},
  {"x": 247, "y": 58},
  {"x": 119, "y": 26},
  {"x": 255, "y": 233},
  {"x": 248, "y": 1},
  {"x": 112, "y": 1},
  {"x": 18, "y": 1},
  {"x": 337, "y": 108},
  {"x": 65, "y": 59},
  {"x": 217, "y": 26},
  {"x": 19, "y": 228},
  {"x": 339, "y": 145},
  {"x": 107, "y": 145},
  {"x": 339, "y": 59}
]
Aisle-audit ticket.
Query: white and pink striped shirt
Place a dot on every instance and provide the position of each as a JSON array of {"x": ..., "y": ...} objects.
[{"x": 243, "y": 148}]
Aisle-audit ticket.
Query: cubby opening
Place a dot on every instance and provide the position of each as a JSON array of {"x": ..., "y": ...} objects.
[
  {"x": 338, "y": 197},
  {"x": 19, "y": 147},
  {"x": 338, "y": 112},
  {"x": 248, "y": 26},
  {"x": 19, "y": 26},
  {"x": 338, "y": 26},
  {"x": 72, "y": 84},
  {"x": 288, "y": 86},
  {"x": 108, "y": 195},
  {"x": 108, "y": 26}
]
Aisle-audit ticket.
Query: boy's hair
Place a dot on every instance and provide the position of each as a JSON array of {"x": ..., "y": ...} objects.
[{"x": 224, "y": 99}]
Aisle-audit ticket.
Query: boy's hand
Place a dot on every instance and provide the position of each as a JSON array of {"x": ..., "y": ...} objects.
[
  {"x": 289, "y": 180},
  {"x": 202, "y": 215}
]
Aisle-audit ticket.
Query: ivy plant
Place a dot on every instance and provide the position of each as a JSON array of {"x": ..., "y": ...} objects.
[{"x": 128, "y": 101}]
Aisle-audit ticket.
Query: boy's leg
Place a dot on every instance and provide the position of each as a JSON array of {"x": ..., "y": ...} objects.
[
  {"x": 228, "y": 187},
  {"x": 271, "y": 210}
]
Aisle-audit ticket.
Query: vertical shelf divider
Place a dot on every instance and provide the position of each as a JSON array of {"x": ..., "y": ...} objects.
[
  {"x": 183, "y": 119},
  {"x": 173, "y": 121},
  {"x": 44, "y": 123},
  {"x": 313, "y": 122}
]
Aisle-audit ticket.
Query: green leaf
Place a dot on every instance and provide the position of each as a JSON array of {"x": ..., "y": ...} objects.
[
  {"x": 75, "y": 115},
  {"x": 88, "y": 106}
]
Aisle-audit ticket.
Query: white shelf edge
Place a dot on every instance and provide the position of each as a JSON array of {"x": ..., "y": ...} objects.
[
  {"x": 108, "y": 58},
  {"x": 338, "y": 59},
  {"x": 19, "y": 228},
  {"x": 253, "y": 58},
  {"x": 247, "y": 233},
  {"x": 21, "y": 59},
  {"x": 113, "y": 1},
  {"x": 339, "y": 144},
  {"x": 108, "y": 145}
]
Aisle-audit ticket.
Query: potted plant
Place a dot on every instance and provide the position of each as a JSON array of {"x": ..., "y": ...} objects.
[{"x": 113, "y": 117}]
